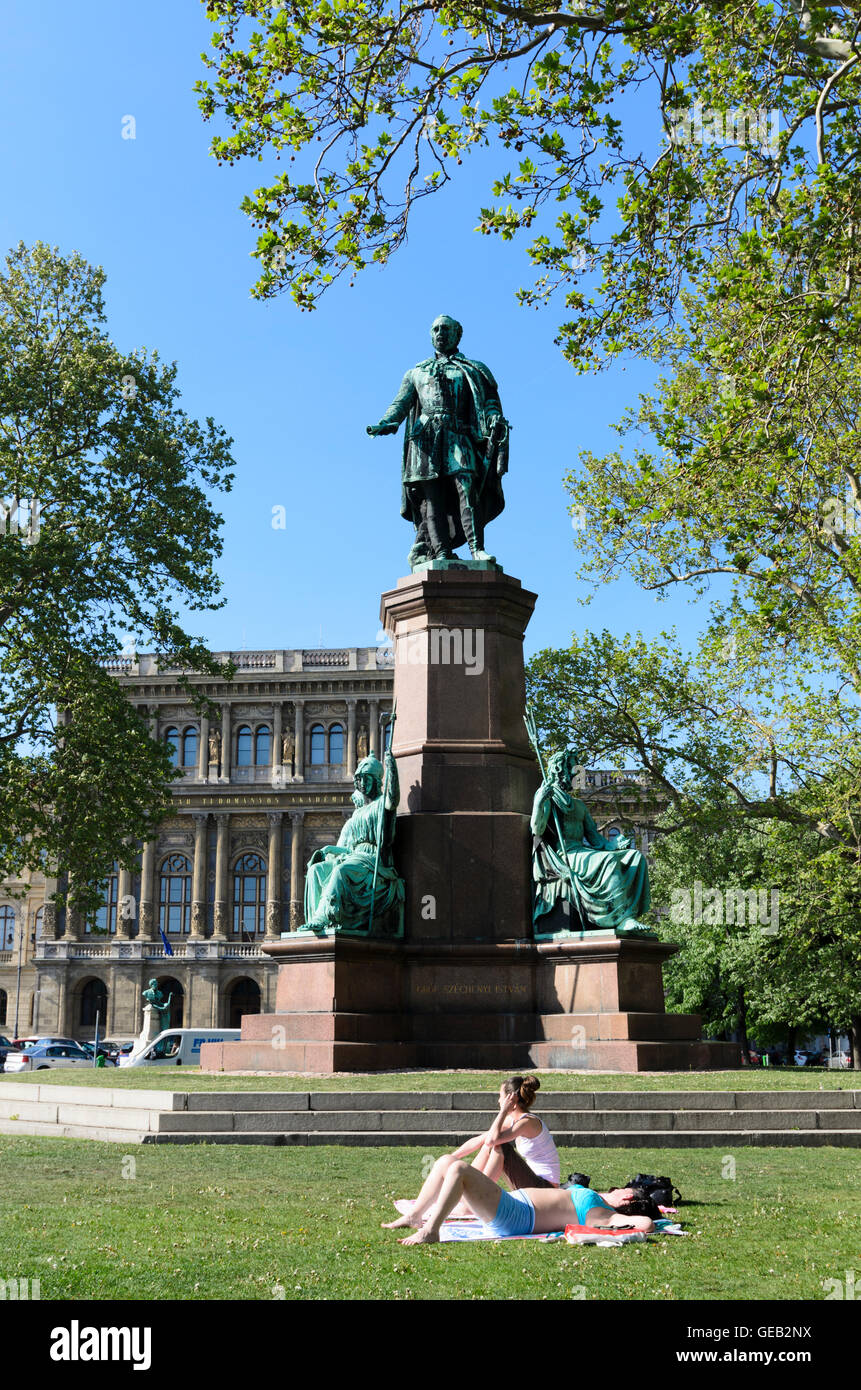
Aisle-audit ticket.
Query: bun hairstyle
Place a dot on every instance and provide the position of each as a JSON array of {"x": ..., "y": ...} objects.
[
  {"x": 524, "y": 1087},
  {"x": 641, "y": 1205}
]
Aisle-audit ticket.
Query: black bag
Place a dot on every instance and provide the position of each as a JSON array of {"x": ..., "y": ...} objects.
[
  {"x": 579, "y": 1179},
  {"x": 660, "y": 1189}
]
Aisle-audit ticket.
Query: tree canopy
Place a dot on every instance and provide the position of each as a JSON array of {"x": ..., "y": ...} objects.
[
  {"x": 108, "y": 528},
  {"x": 635, "y": 138}
]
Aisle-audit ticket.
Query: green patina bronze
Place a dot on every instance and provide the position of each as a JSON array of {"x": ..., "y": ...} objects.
[
  {"x": 160, "y": 1006},
  {"x": 455, "y": 451},
  {"x": 353, "y": 887},
  {"x": 605, "y": 882}
]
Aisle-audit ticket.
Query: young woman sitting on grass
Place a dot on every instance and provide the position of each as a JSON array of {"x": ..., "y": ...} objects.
[
  {"x": 517, "y": 1143},
  {"x": 530, "y": 1137},
  {"x": 525, "y": 1212}
]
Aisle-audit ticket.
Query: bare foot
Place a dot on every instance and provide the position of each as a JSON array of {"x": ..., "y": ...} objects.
[
  {"x": 422, "y": 1237},
  {"x": 397, "y": 1225}
]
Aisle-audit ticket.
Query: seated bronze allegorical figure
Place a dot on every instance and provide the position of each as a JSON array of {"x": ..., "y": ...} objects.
[
  {"x": 604, "y": 882},
  {"x": 353, "y": 886}
]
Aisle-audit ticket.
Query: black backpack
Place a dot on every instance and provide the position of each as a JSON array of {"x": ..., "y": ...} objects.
[{"x": 661, "y": 1190}]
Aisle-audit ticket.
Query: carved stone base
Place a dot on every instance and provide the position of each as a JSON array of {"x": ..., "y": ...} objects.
[{"x": 347, "y": 1005}]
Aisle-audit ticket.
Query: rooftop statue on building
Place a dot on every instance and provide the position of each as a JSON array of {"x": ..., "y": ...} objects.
[
  {"x": 455, "y": 449},
  {"x": 605, "y": 881},
  {"x": 353, "y": 886}
]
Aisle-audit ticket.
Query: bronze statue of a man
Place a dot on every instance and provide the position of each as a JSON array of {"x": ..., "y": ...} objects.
[{"x": 455, "y": 449}]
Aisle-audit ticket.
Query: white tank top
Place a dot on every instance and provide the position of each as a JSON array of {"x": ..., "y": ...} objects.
[{"x": 540, "y": 1153}]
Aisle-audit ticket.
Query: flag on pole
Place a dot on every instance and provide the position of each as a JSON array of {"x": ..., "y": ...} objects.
[{"x": 168, "y": 949}]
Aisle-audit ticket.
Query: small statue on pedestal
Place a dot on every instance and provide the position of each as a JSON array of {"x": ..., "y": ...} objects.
[
  {"x": 214, "y": 747},
  {"x": 156, "y": 1016},
  {"x": 353, "y": 885},
  {"x": 288, "y": 748},
  {"x": 605, "y": 882},
  {"x": 362, "y": 744}
]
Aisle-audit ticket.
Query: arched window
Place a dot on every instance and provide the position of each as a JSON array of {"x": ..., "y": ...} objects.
[
  {"x": 318, "y": 744},
  {"x": 249, "y": 896},
  {"x": 174, "y": 908},
  {"x": 94, "y": 1000},
  {"x": 189, "y": 746},
  {"x": 173, "y": 990},
  {"x": 40, "y": 923},
  {"x": 243, "y": 746},
  {"x": 336, "y": 743},
  {"x": 7, "y": 928},
  {"x": 263, "y": 746},
  {"x": 171, "y": 738},
  {"x": 3, "y": 1005},
  {"x": 104, "y": 923},
  {"x": 387, "y": 736},
  {"x": 243, "y": 997}
]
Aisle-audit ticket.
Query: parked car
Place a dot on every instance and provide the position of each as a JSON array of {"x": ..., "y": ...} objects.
[
  {"x": 105, "y": 1050},
  {"x": 6, "y": 1046},
  {"x": 27, "y": 1043},
  {"x": 51, "y": 1054},
  {"x": 841, "y": 1060}
]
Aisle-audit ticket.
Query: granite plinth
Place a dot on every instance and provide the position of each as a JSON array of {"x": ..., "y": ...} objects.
[
  {"x": 349, "y": 1005},
  {"x": 460, "y": 688}
]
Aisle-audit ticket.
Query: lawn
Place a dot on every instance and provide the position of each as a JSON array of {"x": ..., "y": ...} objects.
[
  {"x": 192, "y": 1079},
  {"x": 232, "y": 1222}
]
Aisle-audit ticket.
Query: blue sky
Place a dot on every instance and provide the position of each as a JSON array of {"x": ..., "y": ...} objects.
[{"x": 294, "y": 390}]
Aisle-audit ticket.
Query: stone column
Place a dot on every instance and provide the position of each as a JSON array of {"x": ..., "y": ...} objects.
[
  {"x": 351, "y": 739},
  {"x": 74, "y": 924},
  {"x": 125, "y": 923},
  {"x": 374, "y": 727},
  {"x": 148, "y": 907},
  {"x": 297, "y": 880},
  {"x": 222, "y": 850},
  {"x": 226, "y": 741},
  {"x": 299, "y": 733},
  {"x": 203, "y": 750},
  {"x": 277, "y": 776},
  {"x": 273, "y": 878},
  {"x": 63, "y": 1028},
  {"x": 198, "y": 881},
  {"x": 49, "y": 922}
]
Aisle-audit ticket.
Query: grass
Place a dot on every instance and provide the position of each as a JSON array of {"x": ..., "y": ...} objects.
[
  {"x": 192, "y": 1079},
  {"x": 207, "y": 1222}
]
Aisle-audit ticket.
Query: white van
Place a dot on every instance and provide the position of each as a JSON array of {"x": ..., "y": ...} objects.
[{"x": 178, "y": 1047}]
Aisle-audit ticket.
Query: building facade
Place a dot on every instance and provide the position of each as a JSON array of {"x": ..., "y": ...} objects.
[{"x": 257, "y": 790}]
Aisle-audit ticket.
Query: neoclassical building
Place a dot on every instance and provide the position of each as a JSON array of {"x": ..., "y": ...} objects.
[{"x": 257, "y": 790}]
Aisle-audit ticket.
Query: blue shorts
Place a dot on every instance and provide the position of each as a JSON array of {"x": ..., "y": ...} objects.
[{"x": 515, "y": 1215}]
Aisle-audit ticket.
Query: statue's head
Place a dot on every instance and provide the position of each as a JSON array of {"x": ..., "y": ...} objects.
[
  {"x": 152, "y": 984},
  {"x": 446, "y": 333},
  {"x": 562, "y": 766},
  {"x": 368, "y": 778}
]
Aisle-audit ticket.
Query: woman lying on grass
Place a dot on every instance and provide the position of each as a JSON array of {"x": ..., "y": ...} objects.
[{"x": 525, "y": 1212}]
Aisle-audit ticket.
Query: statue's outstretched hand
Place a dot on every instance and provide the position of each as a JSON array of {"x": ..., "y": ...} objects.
[{"x": 381, "y": 429}]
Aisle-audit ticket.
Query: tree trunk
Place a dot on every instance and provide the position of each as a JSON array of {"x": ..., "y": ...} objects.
[
  {"x": 742, "y": 1023},
  {"x": 855, "y": 1041}
]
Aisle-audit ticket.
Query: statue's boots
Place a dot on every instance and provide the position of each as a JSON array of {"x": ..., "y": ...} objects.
[{"x": 472, "y": 527}]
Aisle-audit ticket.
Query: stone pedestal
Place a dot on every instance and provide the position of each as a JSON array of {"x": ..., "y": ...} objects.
[
  {"x": 348, "y": 1005},
  {"x": 468, "y": 985}
]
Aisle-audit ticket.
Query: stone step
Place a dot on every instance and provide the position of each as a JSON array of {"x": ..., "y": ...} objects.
[
  {"x": 643, "y": 1139},
  {"x": 548, "y": 1101},
  {"x": 474, "y": 1028},
  {"x": 454, "y": 1126}
]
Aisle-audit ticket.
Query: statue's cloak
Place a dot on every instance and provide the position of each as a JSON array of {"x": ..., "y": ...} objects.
[{"x": 489, "y": 499}]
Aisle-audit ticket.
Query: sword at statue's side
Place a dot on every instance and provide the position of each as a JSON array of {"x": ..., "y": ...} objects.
[
  {"x": 532, "y": 735},
  {"x": 390, "y": 720}
]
